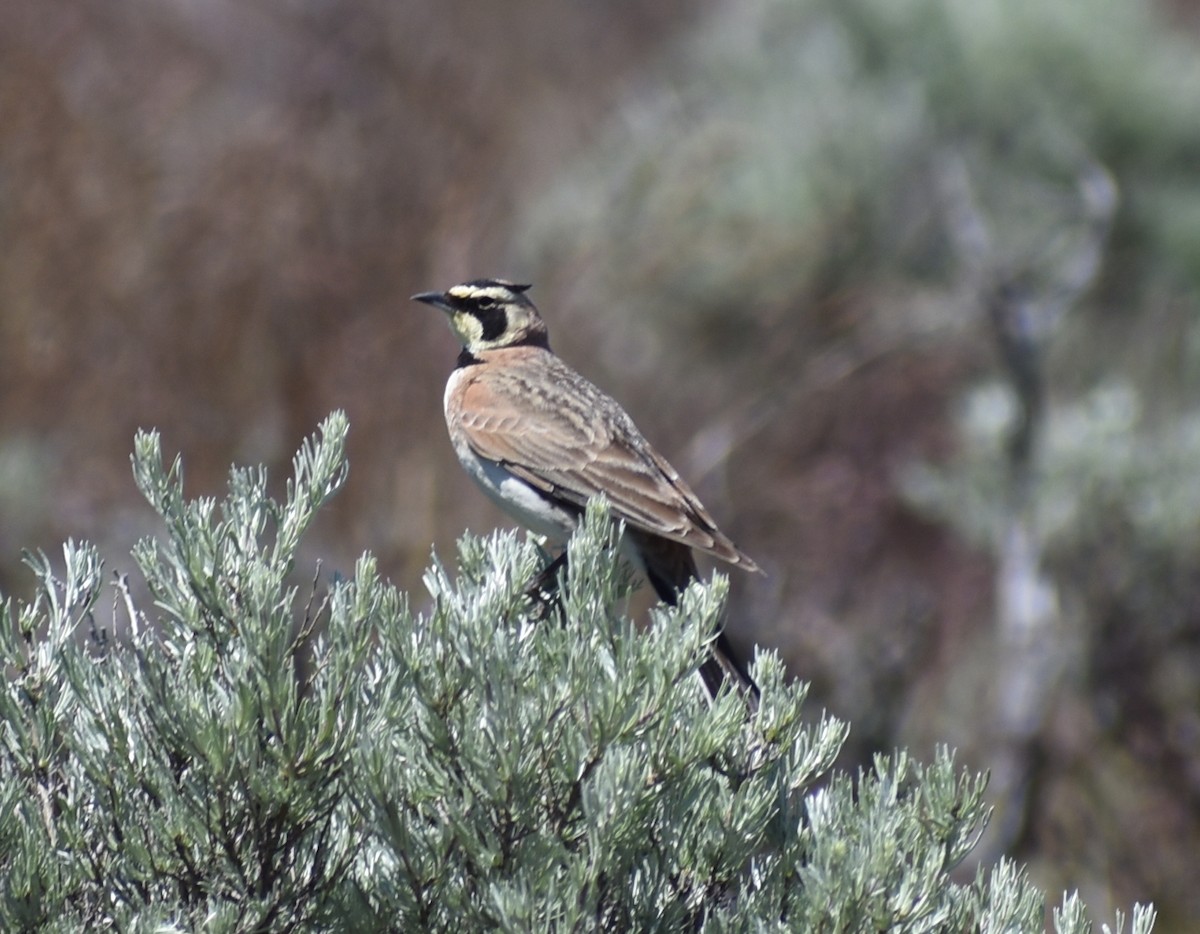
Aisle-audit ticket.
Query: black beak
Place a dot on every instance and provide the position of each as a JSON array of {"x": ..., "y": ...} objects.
[{"x": 436, "y": 299}]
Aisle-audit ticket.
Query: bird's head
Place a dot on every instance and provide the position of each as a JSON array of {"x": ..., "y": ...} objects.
[{"x": 487, "y": 314}]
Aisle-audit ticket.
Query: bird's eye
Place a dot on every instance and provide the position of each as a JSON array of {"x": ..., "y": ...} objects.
[{"x": 485, "y": 303}]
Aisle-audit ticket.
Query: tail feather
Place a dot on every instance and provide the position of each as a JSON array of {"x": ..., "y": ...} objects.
[
  {"x": 670, "y": 567},
  {"x": 723, "y": 665}
]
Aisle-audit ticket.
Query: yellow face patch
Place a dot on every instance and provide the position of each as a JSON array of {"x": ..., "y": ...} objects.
[{"x": 466, "y": 327}]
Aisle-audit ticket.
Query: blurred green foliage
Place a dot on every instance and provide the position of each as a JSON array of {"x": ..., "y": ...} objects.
[{"x": 792, "y": 139}]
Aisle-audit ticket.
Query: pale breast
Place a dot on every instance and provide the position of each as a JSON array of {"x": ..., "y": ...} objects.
[{"x": 532, "y": 508}]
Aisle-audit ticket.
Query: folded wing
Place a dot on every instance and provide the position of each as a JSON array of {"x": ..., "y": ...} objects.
[{"x": 564, "y": 436}]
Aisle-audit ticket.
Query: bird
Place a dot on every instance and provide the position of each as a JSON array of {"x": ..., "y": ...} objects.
[{"x": 540, "y": 440}]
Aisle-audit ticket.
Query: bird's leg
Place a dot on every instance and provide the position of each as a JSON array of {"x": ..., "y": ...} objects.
[{"x": 543, "y": 589}]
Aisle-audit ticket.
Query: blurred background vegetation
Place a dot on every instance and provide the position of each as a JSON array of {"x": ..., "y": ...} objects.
[{"x": 908, "y": 289}]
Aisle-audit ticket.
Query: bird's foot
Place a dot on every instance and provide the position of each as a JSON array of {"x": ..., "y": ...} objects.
[{"x": 543, "y": 589}]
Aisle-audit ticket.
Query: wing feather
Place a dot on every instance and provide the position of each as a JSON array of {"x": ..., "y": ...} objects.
[{"x": 562, "y": 435}]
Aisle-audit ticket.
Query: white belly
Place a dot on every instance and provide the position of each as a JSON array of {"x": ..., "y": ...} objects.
[
  {"x": 517, "y": 498},
  {"x": 528, "y": 505},
  {"x": 530, "y": 508}
]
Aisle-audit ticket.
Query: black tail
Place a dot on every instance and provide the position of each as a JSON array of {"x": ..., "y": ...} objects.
[{"x": 723, "y": 664}]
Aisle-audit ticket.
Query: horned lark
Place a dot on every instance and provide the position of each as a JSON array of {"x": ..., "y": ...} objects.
[{"x": 539, "y": 439}]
